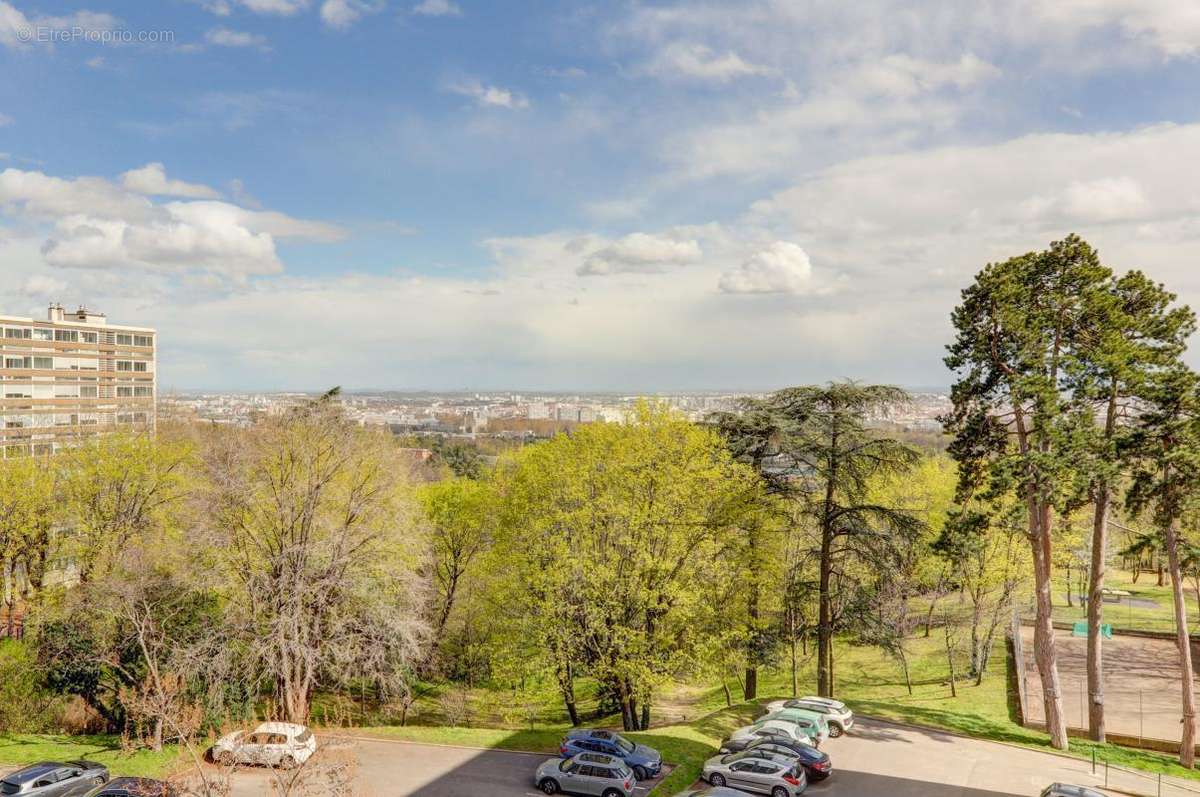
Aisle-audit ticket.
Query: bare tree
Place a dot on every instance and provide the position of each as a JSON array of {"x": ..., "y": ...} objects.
[{"x": 320, "y": 540}]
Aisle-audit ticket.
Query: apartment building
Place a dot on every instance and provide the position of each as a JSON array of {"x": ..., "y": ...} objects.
[{"x": 71, "y": 376}]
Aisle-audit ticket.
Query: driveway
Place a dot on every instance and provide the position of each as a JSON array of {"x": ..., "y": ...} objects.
[
  {"x": 398, "y": 769},
  {"x": 876, "y": 759}
]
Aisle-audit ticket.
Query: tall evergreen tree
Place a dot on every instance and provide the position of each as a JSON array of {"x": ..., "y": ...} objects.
[
  {"x": 1132, "y": 332},
  {"x": 1020, "y": 329},
  {"x": 815, "y": 444},
  {"x": 1165, "y": 484}
]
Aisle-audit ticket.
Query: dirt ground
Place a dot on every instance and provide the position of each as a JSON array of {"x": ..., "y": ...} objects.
[{"x": 1141, "y": 683}]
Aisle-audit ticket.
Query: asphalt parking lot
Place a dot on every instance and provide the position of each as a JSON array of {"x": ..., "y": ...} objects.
[
  {"x": 397, "y": 769},
  {"x": 875, "y": 760}
]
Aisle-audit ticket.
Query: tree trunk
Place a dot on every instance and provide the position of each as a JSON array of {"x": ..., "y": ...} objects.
[
  {"x": 1095, "y": 616},
  {"x": 1187, "y": 744},
  {"x": 1044, "y": 651},
  {"x": 907, "y": 675},
  {"x": 825, "y": 619},
  {"x": 751, "y": 686},
  {"x": 728, "y": 696},
  {"x": 795, "y": 685},
  {"x": 1070, "y": 601},
  {"x": 566, "y": 685},
  {"x": 950, "y": 659}
]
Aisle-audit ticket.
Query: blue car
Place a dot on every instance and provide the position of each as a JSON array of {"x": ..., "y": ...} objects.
[{"x": 644, "y": 761}]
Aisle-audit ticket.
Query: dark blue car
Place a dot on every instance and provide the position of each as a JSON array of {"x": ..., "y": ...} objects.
[{"x": 644, "y": 761}]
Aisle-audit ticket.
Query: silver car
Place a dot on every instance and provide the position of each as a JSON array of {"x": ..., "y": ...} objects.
[
  {"x": 781, "y": 777},
  {"x": 839, "y": 717},
  {"x": 586, "y": 773},
  {"x": 54, "y": 779}
]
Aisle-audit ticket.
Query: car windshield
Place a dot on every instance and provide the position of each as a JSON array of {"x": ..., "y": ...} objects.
[
  {"x": 304, "y": 737},
  {"x": 623, "y": 773},
  {"x": 625, "y": 744},
  {"x": 9, "y": 788}
]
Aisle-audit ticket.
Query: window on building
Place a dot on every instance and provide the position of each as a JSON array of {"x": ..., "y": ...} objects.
[
  {"x": 124, "y": 365},
  {"x": 66, "y": 335},
  {"x": 141, "y": 366},
  {"x": 88, "y": 337},
  {"x": 143, "y": 340},
  {"x": 143, "y": 391},
  {"x": 124, "y": 339},
  {"x": 88, "y": 391},
  {"x": 124, "y": 391},
  {"x": 43, "y": 334},
  {"x": 16, "y": 362},
  {"x": 21, "y": 333},
  {"x": 45, "y": 363}
]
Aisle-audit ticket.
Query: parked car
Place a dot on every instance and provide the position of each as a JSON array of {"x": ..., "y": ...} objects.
[
  {"x": 782, "y": 778},
  {"x": 839, "y": 717},
  {"x": 645, "y": 762},
  {"x": 273, "y": 744},
  {"x": 812, "y": 724},
  {"x": 134, "y": 787},
  {"x": 817, "y": 765},
  {"x": 54, "y": 779},
  {"x": 744, "y": 737},
  {"x": 1067, "y": 790},
  {"x": 586, "y": 773},
  {"x": 712, "y": 791}
]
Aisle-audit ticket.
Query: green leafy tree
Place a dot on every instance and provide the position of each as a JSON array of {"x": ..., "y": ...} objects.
[
  {"x": 610, "y": 537},
  {"x": 1022, "y": 332}
]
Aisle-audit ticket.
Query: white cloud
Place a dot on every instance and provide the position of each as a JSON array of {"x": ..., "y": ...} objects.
[
  {"x": 699, "y": 62},
  {"x": 782, "y": 267},
  {"x": 42, "y": 285},
  {"x": 277, "y": 7},
  {"x": 640, "y": 253},
  {"x": 5, "y": 120},
  {"x": 341, "y": 14},
  {"x": 152, "y": 179},
  {"x": 489, "y": 95},
  {"x": 225, "y": 37},
  {"x": 437, "y": 8},
  {"x": 18, "y": 31},
  {"x": 97, "y": 223},
  {"x": 96, "y": 62}
]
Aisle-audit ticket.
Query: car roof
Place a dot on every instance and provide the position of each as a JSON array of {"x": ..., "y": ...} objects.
[
  {"x": 598, "y": 758},
  {"x": 590, "y": 733},
  {"x": 1071, "y": 790},
  {"x": 286, "y": 728},
  {"x": 32, "y": 772}
]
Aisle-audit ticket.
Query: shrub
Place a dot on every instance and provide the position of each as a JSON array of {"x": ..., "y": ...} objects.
[{"x": 25, "y": 703}]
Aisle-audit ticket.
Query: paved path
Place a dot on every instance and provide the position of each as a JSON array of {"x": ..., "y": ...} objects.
[{"x": 875, "y": 760}]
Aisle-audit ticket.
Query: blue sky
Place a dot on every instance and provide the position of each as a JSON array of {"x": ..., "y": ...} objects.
[{"x": 631, "y": 196}]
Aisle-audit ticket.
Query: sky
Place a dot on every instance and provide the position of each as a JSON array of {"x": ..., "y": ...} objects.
[{"x": 631, "y": 196}]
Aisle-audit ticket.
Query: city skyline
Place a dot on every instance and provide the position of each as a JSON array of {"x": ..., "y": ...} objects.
[{"x": 648, "y": 196}]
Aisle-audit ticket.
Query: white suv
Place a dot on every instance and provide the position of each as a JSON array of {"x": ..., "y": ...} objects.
[
  {"x": 837, "y": 715},
  {"x": 272, "y": 744}
]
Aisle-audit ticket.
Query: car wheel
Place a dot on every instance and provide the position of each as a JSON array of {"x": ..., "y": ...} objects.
[
  {"x": 611, "y": 793},
  {"x": 717, "y": 779},
  {"x": 548, "y": 786},
  {"x": 225, "y": 758},
  {"x": 98, "y": 780},
  {"x": 835, "y": 730},
  {"x": 287, "y": 762},
  {"x": 640, "y": 773},
  {"x": 779, "y": 791}
]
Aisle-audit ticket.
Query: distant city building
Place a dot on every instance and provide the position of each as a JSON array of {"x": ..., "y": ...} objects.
[
  {"x": 71, "y": 376},
  {"x": 538, "y": 411}
]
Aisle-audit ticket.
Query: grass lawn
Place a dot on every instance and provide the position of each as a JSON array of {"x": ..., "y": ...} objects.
[
  {"x": 1128, "y": 615},
  {"x": 21, "y": 749}
]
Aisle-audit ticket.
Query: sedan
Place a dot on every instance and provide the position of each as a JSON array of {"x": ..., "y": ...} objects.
[
  {"x": 134, "y": 787},
  {"x": 769, "y": 729},
  {"x": 272, "y": 744},
  {"x": 54, "y": 779},
  {"x": 586, "y": 773},
  {"x": 776, "y": 778},
  {"x": 809, "y": 722},
  {"x": 817, "y": 765}
]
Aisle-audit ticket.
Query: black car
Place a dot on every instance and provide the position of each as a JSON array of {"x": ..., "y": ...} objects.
[
  {"x": 54, "y": 779},
  {"x": 817, "y": 765},
  {"x": 134, "y": 787}
]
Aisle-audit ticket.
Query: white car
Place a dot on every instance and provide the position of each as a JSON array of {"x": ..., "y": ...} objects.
[
  {"x": 272, "y": 744},
  {"x": 788, "y": 730},
  {"x": 837, "y": 715}
]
